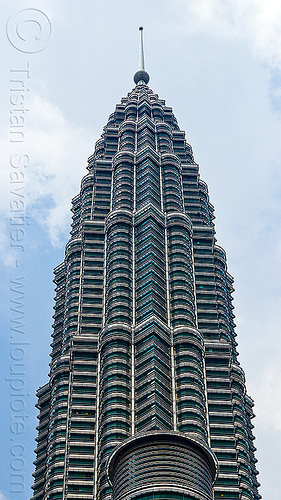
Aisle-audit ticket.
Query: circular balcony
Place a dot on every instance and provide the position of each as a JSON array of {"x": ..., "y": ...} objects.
[{"x": 162, "y": 462}]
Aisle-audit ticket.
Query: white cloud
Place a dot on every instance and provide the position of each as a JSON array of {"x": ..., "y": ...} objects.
[
  {"x": 7, "y": 255},
  {"x": 258, "y": 21},
  {"x": 57, "y": 152},
  {"x": 2, "y": 496},
  {"x": 268, "y": 406}
]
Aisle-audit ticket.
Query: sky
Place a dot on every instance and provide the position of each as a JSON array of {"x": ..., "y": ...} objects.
[{"x": 65, "y": 65}]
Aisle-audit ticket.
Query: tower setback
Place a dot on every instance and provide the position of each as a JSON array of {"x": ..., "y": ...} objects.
[{"x": 146, "y": 398}]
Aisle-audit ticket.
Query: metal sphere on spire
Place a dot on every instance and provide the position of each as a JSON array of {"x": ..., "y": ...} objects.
[{"x": 141, "y": 75}]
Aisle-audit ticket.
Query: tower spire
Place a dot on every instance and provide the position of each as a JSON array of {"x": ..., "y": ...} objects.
[
  {"x": 141, "y": 75},
  {"x": 141, "y": 54}
]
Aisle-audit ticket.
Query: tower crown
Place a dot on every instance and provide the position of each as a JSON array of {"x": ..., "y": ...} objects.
[{"x": 141, "y": 75}]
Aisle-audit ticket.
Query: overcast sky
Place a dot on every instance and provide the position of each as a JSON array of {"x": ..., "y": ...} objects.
[{"x": 218, "y": 64}]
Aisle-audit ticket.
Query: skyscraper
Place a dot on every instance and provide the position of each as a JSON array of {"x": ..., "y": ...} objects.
[{"x": 146, "y": 398}]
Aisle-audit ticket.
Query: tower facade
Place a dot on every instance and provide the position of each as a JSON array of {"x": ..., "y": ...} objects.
[{"x": 146, "y": 398}]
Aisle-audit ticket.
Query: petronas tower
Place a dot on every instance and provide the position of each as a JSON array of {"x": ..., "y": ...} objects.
[{"x": 146, "y": 397}]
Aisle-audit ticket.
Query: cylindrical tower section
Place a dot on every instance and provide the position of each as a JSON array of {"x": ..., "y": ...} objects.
[
  {"x": 164, "y": 136},
  {"x": 181, "y": 279},
  {"x": 131, "y": 109},
  {"x": 206, "y": 208},
  {"x": 123, "y": 181},
  {"x": 86, "y": 194},
  {"x": 127, "y": 136},
  {"x": 162, "y": 465},
  {"x": 115, "y": 394},
  {"x": 73, "y": 286},
  {"x": 171, "y": 183},
  {"x": 190, "y": 388},
  {"x": 119, "y": 267},
  {"x": 157, "y": 112},
  {"x": 99, "y": 148},
  {"x": 224, "y": 288}
]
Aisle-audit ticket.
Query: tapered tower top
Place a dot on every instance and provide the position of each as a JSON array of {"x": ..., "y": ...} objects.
[{"x": 141, "y": 75}]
